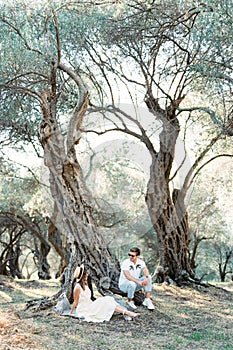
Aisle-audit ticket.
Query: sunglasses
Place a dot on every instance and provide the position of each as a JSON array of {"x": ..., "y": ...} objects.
[{"x": 133, "y": 256}]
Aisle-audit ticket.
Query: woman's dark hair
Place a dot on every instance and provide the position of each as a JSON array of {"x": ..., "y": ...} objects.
[
  {"x": 82, "y": 281},
  {"x": 83, "y": 284},
  {"x": 135, "y": 250}
]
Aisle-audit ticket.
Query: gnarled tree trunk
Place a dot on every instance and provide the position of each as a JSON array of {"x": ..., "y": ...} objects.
[
  {"x": 72, "y": 199},
  {"x": 41, "y": 251},
  {"x": 166, "y": 209},
  {"x": 59, "y": 242}
]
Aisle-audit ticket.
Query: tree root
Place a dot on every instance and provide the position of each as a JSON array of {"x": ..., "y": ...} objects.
[{"x": 43, "y": 303}]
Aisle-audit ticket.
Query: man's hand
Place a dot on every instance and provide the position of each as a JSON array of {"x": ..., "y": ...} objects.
[{"x": 144, "y": 282}]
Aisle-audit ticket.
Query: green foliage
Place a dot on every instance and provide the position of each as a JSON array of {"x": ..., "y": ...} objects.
[
  {"x": 214, "y": 29},
  {"x": 210, "y": 217},
  {"x": 24, "y": 64},
  {"x": 16, "y": 191},
  {"x": 196, "y": 336}
]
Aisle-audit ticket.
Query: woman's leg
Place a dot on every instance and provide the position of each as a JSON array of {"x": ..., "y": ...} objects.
[{"x": 125, "y": 311}]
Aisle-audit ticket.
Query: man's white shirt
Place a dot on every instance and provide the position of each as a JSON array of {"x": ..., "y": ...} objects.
[{"x": 135, "y": 270}]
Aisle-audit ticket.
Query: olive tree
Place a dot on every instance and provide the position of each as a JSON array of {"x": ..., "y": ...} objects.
[
  {"x": 164, "y": 53},
  {"x": 39, "y": 86}
]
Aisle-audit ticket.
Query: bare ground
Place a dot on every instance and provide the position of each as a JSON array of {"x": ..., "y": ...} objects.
[{"x": 184, "y": 318}]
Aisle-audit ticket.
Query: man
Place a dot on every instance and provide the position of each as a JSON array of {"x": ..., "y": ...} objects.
[{"x": 131, "y": 278}]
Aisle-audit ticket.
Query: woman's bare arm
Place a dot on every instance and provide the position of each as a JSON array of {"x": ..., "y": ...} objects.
[{"x": 76, "y": 293}]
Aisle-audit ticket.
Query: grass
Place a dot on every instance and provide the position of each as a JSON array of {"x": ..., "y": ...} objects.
[{"x": 184, "y": 318}]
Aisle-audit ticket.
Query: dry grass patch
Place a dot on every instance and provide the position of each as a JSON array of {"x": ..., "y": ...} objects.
[{"x": 16, "y": 333}]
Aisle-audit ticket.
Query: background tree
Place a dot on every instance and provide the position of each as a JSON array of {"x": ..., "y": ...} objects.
[
  {"x": 10, "y": 237},
  {"x": 210, "y": 217},
  {"x": 21, "y": 224},
  {"x": 224, "y": 255}
]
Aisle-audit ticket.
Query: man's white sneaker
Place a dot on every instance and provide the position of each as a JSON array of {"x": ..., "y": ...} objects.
[
  {"x": 132, "y": 305},
  {"x": 148, "y": 303}
]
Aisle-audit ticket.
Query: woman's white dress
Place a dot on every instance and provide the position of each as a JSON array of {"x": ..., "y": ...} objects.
[{"x": 99, "y": 310}]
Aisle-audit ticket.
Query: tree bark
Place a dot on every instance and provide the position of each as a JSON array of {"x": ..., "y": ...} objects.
[
  {"x": 72, "y": 199},
  {"x": 167, "y": 212},
  {"x": 60, "y": 244},
  {"x": 11, "y": 252},
  {"x": 223, "y": 262},
  {"x": 41, "y": 252},
  {"x": 41, "y": 244}
]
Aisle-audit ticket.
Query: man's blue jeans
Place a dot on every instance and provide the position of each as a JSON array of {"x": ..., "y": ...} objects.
[{"x": 131, "y": 287}]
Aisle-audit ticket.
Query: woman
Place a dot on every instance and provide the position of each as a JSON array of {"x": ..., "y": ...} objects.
[{"x": 99, "y": 310}]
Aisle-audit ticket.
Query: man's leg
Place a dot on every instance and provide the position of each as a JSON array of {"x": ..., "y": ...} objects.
[
  {"x": 148, "y": 289},
  {"x": 129, "y": 287}
]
